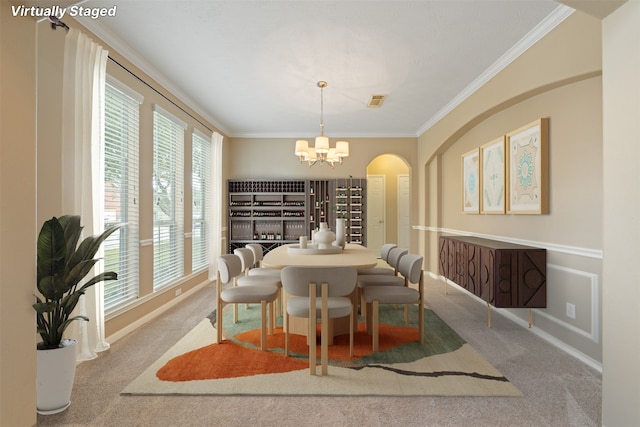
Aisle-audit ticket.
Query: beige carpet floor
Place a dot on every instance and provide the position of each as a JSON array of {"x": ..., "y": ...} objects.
[
  {"x": 443, "y": 366},
  {"x": 557, "y": 389}
]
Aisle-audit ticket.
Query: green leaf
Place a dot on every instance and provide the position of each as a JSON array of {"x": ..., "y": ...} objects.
[
  {"x": 70, "y": 301},
  {"x": 44, "y": 307},
  {"x": 51, "y": 249},
  {"x": 78, "y": 272},
  {"x": 72, "y": 231},
  {"x": 51, "y": 287},
  {"x": 66, "y": 324},
  {"x": 89, "y": 247},
  {"x": 107, "y": 275}
]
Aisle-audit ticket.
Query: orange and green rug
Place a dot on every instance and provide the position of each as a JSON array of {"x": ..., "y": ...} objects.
[{"x": 444, "y": 365}]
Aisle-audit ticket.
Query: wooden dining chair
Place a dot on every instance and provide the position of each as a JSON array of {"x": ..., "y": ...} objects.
[
  {"x": 319, "y": 293},
  {"x": 243, "y": 290},
  {"x": 410, "y": 267}
]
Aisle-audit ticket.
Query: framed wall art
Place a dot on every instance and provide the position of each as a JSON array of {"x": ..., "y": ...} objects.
[
  {"x": 471, "y": 182},
  {"x": 527, "y": 166},
  {"x": 492, "y": 177}
]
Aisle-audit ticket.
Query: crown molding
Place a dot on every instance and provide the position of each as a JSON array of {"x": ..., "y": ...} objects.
[
  {"x": 301, "y": 135},
  {"x": 132, "y": 56},
  {"x": 558, "y": 15}
]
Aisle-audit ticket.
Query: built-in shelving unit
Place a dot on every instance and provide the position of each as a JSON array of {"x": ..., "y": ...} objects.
[
  {"x": 267, "y": 212},
  {"x": 320, "y": 209},
  {"x": 275, "y": 212}
]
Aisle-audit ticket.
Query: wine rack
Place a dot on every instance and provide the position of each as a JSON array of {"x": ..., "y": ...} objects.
[
  {"x": 350, "y": 202},
  {"x": 269, "y": 212},
  {"x": 320, "y": 209},
  {"x": 276, "y": 212}
]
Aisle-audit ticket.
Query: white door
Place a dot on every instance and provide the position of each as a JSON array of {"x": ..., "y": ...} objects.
[
  {"x": 404, "y": 224},
  {"x": 375, "y": 212}
]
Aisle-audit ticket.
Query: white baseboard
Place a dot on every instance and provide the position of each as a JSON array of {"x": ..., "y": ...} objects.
[
  {"x": 154, "y": 314},
  {"x": 589, "y": 361}
]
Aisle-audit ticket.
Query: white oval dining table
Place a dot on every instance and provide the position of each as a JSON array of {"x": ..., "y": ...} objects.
[{"x": 353, "y": 255}]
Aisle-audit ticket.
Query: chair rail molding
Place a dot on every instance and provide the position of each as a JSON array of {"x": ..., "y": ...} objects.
[{"x": 554, "y": 247}]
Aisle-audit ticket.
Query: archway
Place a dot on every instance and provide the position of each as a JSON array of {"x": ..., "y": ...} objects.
[{"x": 388, "y": 204}]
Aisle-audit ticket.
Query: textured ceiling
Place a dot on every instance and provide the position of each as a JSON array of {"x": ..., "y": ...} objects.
[{"x": 251, "y": 67}]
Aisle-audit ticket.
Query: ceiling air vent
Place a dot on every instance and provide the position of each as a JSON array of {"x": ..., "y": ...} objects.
[{"x": 376, "y": 101}]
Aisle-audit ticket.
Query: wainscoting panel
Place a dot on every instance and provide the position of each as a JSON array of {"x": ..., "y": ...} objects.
[{"x": 566, "y": 282}]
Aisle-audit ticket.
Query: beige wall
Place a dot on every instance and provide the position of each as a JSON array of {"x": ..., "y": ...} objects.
[
  {"x": 273, "y": 158},
  {"x": 575, "y": 168},
  {"x": 558, "y": 78},
  {"x": 621, "y": 299},
  {"x": 18, "y": 231}
]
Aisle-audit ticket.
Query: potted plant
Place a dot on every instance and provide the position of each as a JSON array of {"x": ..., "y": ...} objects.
[{"x": 61, "y": 267}]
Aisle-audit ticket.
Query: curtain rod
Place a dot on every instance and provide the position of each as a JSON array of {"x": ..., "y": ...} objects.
[
  {"x": 159, "y": 93},
  {"x": 56, "y": 22}
]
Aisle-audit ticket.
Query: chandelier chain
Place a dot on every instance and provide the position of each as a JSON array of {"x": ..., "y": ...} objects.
[{"x": 322, "y": 85}]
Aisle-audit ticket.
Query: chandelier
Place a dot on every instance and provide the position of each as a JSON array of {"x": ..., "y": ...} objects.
[{"x": 321, "y": 152}]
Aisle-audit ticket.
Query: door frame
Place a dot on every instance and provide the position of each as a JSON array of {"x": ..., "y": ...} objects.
[{"x": 404, "y": 206}]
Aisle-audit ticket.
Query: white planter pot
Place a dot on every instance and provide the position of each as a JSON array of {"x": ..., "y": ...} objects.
[{"x": 56, "y": 370}]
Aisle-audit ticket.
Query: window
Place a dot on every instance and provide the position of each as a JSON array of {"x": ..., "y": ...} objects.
[
  {"x": 168, "y": 200},
  {"x": 121, "y": 138},
  {"x": 201, "y": 191}
]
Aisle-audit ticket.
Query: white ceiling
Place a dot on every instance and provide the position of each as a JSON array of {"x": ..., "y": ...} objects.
[{"x": 251, "y": 67}]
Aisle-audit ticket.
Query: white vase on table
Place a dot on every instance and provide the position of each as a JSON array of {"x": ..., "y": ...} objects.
[
  {"x": 341, "y": 230},
  {"x": 324, "y": 237}
]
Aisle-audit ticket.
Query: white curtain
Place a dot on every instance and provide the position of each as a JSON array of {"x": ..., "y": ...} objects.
[
  {"x": 82, "y": 172},
  {"x": 215, "y": 243}
]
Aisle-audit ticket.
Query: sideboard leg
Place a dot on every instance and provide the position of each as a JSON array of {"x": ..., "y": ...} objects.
[
  {"x": 530, "y": 317},
  {"x": 489, "y": 314},
  {"x": 446, "y": 290}
]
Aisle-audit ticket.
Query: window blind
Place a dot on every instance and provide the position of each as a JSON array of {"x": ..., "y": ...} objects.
[
  {"x": 168, "y": 192},
  {"x": 201, "y": 194},
  {"x": 121, "y": 193}
]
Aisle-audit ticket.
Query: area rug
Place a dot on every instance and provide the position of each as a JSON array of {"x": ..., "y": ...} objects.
[{"x": 445, "y": 365}]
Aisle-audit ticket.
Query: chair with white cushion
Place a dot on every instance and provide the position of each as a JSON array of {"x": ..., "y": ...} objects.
[
  {"x": 384, "y": 255},
  {"x": 258, "y": 255},
  {"x": 247, "y": 260},
  {"x": 256, "y": 270},
  {"x": 366, "y": 280},
  {"x": 244, "y": 290},
  {"x": 319, "y": 292},
  {"x": 410, "y": 267}
]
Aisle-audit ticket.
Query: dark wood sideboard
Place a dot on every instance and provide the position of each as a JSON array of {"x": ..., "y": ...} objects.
[{"x": 505, "y": 275}]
